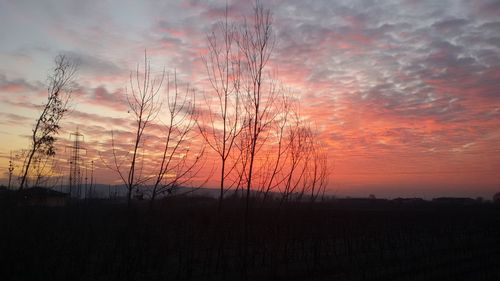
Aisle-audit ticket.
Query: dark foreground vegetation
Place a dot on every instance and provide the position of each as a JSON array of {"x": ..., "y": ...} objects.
[{"x": 189, "y": 239}]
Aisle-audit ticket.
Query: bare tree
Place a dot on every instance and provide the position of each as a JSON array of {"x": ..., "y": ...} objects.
[
  {"x": 179, "y": 164},
  {"x": 299, "y": 155},
  {"x": 277, "y": 157},
  {"x": 43, "y": 136},
  {"x": 305, "y": 171},
  {"x": 221, "y": 124},
  {"x": 144, "y": 105},
  {"x": 319, "y": 172},
  {"x": 258, "y": 93},
  {"x": 256, "y": 43}
]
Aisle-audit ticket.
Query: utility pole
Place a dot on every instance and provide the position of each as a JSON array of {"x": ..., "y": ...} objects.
[
  {"x": 91, "y": 178},
  {"x": 11, "y": 169},
  {"x": 86, "y": 193},
  {"x": 61, "y": 184},
  {"x": 75, "y": 177}
]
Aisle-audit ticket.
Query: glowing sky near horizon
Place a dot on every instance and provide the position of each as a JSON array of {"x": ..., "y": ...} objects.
[{"x": 405, "y": 94}]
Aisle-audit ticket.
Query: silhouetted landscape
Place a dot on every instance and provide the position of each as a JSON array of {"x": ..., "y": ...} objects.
[
  {"x": 345, "y": 140},
  {"x": 187, "y": 238}
]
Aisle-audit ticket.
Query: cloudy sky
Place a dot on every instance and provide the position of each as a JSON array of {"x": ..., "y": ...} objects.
[{"x": 405, "y": 94}]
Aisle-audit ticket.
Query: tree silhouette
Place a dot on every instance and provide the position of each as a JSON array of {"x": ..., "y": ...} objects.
[
  {"x": 221, "y": 125},
  {"x": 144, "y": 105},
  {"x": 256, "y": 43},
  {"x": 178, "y": 162},
  {"x": 43, "y": 137}
]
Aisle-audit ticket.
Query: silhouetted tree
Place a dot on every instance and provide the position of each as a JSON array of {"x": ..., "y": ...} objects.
[
  {"x": 222, "y": 123},
  {"x": 258, "y": 93},
  {"x": 319, "y": 171},
  {"x": 299, "y": 156},
  {"x": 277, "y": 158},
  {"x": 256, "y": 43},
  {"x": 178, "y": 163},
  {"x": 44, "y": 132},
  {"x": 144, "y": 105}
]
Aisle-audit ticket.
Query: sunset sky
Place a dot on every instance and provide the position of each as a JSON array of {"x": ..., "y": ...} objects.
[{"x": 405, "y": 94}]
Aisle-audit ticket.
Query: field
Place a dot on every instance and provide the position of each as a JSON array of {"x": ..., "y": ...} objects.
[{"x": 189, "y": 239}]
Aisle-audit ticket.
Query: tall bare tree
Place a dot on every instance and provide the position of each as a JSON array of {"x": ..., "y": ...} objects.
[
  {"x": 305, "y": 171},
  {"x": 178, "y": 163},
  {"x": 258, "y": 93},
  {"x": 221, "y": 124},
  {"x": 256, "y": 43},
  {"x": 278, "y": 156},
  {"x": 144, "y": 102},
  {"x": 319, "y": 172},
  {"x": 300, "y": 138},
  {"x": 43, "y": 137}
]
